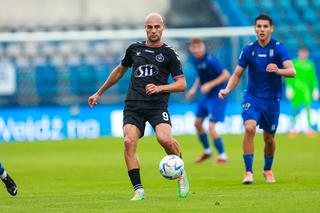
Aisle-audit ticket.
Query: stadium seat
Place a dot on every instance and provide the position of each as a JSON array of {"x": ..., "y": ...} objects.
[
  {"x": 308, "y": 41},
  {"x": 300, "y": 29},
  {"x": 310, "y": 16},
  {"x": 248, "y": 6},
  {"x": 316, "y": 29},
  {"x": 291, "y": 17},
  {"x": 267, "y": 6},
  {"x": 46, "y": 81},
  {"x": 283, "y": 6},
  {"x": 78, "y": 68},
  {"x": 316, "y": 4},
  {"x": 301, "y": 5}
]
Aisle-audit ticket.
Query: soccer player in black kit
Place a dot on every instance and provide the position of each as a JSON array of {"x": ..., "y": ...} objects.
[{"x": 152, "y": 63}]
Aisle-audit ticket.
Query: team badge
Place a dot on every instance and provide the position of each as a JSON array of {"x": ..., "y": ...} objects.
[
  {"x": 271, "y": 53},
  {"x": 138, "y": 53},
  {"x": 246, "y": 106},
  {"x": 159, "y": 58},
  {"x": 252, "y": 53}
]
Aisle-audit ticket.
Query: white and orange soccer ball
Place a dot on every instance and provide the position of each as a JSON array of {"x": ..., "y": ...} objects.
[{"x": 171, "y": 167}]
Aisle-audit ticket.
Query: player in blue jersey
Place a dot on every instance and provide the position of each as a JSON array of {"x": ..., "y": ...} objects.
[
  {"x": 7, "y": 180},
  {"x": 267, "y": 60},
  {"x": 211, "y": 78}
]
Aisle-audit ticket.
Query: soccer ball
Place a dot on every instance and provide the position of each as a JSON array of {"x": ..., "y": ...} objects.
[{"x": 171, "y": 167}]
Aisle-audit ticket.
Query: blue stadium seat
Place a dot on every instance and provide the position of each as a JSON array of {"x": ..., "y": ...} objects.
[
  {"x": 300, "y": 29},
  {"x": 316, "y": 29},
  {"x": 310, "y": 16},
  {"x": 301, "y": 5},
  {"x": 283, "y": 5},
  {"x": 291, "y": 44},
  {"x": 267, "y": 6},
  {"x": 291, "y": 17},
  {"x": 83, "y": 79},
  {"x": 46, "y": 81},
  {"x": 248, "y": 6},
  {"x": 316, "y": 4},
  {"x": 309, "y": 41}
]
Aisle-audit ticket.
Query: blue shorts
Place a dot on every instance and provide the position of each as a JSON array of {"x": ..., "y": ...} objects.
[
  {"x": 213, "y": 107},
  {"x": 264, "y": 111}
]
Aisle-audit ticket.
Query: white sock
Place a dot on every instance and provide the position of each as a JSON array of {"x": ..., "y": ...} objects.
[
  {"x": 223, "y": 156},
  {"x": 3, "y": 175},
  {"x": 208, "y": 151},
  {"x": 140, "y": 190}
]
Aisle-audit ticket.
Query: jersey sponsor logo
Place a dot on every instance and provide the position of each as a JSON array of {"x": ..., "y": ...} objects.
[
  {"x": 149, "y": 51},
  {"x": 146, "y": 70},
  {"x": 246, "y": 106},
  {"x": 262, "y": 55},
  {"x": 271, "y": 52},
  {"x": 159, "y": 58}
]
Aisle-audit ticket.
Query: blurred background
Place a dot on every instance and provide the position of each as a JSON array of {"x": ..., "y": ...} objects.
[{"x": 55, "y": 54}]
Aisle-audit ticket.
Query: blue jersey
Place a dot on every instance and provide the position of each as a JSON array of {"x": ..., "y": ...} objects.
[
  {"x": 261, "y": 83},
  {"x": 208, "y": 69}
]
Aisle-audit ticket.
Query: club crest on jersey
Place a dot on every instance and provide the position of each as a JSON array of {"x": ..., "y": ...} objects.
[
  {"x": 271, "y": 53},
  {"x": 246, "y": 106},
  {"x": 159, "y": 58},
  {"x": 146, "y": 70},
  {"x": 252, "y": 53}
]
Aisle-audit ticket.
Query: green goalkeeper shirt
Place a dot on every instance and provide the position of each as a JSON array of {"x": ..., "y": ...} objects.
[{"x": 305, "y": 80}]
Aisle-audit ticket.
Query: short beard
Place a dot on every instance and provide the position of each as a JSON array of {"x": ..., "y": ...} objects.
[{"x": 154, "y": 40}]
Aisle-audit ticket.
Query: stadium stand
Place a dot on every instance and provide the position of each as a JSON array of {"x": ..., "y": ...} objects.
[
  {"x": 67, "y": 72},
  {"x": 294, "y": 20}
]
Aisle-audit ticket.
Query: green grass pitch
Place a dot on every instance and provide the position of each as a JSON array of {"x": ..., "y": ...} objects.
[{"x": 90, "y": 176}]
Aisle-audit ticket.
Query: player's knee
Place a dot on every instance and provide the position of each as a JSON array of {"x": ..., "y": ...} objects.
[
  {"x": 268, "y": 139},
  {"x": 166, "y": 140},
  {"x": 129, "y": 143},
  {"x": 250, "y": 129},
  {"x": 198, "y": 125}
]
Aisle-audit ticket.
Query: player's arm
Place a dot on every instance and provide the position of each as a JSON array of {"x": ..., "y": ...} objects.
[
  {"x": 233, "y": 82},
  {"x": 190, "y": 94},
  {"x": 287, "y": 71},
  {"x": 179, "y": 85},
  {"x": 223, "y": 77},
  {"x": 113, "y": 78}
]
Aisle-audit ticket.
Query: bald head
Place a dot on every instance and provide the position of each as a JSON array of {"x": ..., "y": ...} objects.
[
  {"x": 154, "y": 27},
  {"x": 153, "y": 17}
]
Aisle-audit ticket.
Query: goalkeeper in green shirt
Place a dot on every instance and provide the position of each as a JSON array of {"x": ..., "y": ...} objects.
[{"x": 302, "y": 89}]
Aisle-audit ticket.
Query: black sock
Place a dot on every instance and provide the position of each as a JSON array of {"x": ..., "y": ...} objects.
[{"x": 134, "y": 175}]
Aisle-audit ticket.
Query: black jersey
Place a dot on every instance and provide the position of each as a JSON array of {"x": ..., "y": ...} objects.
[{"x": 150, "y": 65}]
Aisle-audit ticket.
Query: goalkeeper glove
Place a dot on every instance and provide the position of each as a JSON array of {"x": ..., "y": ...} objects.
[{"x": 289, "y": 93}]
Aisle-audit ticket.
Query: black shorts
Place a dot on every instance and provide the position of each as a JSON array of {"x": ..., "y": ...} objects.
[{"x": 139, "y": 116}]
